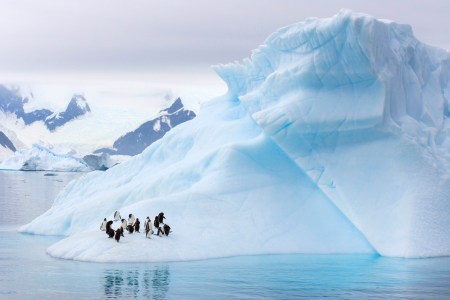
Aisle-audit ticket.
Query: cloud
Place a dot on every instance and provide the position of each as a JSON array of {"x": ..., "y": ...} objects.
[{"x": 150, "y": 35}]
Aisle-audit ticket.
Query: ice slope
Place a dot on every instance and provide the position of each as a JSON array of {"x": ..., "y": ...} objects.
[
  {"x": 40, "y": 158},
  {"x": 226, "y": 190},
  {"x": 333, "y": 138},
  {"x": 362, "y": 107}
]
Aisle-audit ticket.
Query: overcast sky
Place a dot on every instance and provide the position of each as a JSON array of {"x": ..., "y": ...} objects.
[{"x": 148, "y": 36}]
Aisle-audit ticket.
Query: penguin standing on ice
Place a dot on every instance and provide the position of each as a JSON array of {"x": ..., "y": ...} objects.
[
  {"x": 148, "y": 228},
  {"x": 131, "y": 219},
  {"x": 156, "y": 222},
  {"x": 103, "y": 225},
  {"x": 161, "y": 218},
  {"x": 118, "y": 233},
  {"x": 137, "y": 225},
  {"x": 166, "y": 229},
  {"x": 117, "y": 216},
  {"x": 123, "y": 225},
  {"x": 146, "y": 221},
  {"x": 109, "y": 230}
]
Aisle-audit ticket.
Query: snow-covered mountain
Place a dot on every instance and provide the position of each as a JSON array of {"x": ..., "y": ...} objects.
[
  {"x": 77, "y": 107},
  {"x": 9, "y": 143},
  {"x": 6, "y": 143},
  {"x": 136, "y": 141},
  {"x": 40, "y": 158},
  {"x": 7, "y": 147},
  {"x": 12, "y": 102},
  {"x": 333, "y": 138}
]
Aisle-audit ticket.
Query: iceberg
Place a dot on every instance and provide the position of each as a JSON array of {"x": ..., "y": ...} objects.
[
  {"x": 40, "y": 158},
  {"x": 332, "y": 138}
]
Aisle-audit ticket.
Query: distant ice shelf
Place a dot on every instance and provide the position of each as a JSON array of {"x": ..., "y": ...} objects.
[{"x": 40, "y": 158}]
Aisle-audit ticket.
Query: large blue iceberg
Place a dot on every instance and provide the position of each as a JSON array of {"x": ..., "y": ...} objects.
[{"x": 332, "y": 138}]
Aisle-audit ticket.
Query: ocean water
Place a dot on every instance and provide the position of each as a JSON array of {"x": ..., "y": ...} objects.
[{"x": 26, "y": 272}]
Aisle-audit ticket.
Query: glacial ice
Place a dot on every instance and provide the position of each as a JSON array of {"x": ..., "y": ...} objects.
[
  {"x": 41, "y": 158},
  {"x": 332, "y": 138}
]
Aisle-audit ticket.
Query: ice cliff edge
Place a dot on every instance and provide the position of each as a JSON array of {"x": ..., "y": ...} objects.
[
  {"x": 367, "y": 71},
  {"x": 362, "y": 107}
]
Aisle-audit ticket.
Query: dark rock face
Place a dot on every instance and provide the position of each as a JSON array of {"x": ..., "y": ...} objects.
[
  {"x": 37, "y": 115},
  {"x": 76, "y": 108},
  {"x": 136, "y": 141},
  {"x": 11, "y": 102},
  {"x": 6, "y": 142}
]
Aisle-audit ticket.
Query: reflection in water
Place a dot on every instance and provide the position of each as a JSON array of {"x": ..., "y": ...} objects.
[
  {"x": 154, "y": 283},
  {"x": 160, "y": 282},
  {"x": 113, "y": 283}
]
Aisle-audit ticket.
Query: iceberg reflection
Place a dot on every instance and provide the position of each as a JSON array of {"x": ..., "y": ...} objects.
[{"x": 149, "y": 283}]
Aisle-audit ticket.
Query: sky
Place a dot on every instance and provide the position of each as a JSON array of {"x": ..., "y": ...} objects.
[
  {"x": 130, "y": 58},
  {"x": 167, "y": 39}
]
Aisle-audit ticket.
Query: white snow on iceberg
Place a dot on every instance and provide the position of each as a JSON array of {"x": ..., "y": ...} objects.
[
  {"x": 333, "y": 138},
  {"x": 361, "y": 106},
  {"x": 40, "y": 158},
  {"x": 222, "y": 194}
]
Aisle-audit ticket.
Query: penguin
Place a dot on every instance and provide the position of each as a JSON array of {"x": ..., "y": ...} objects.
[
  {"x": 109, "y": 230},
  {"x": 166, "y": 229},
  {"x": 103, "y": 225},
  {"x": 117, "y": 216},
  {"x": 146, "y": 221},
  {"x": 161, "y": 218},
  {"x": 130, "y": 228},
  {"x": 137, "y": 225},
  {"x": 148, "y": 229},
  {"x": 160, "y": 231},
  {"x": 131, "y": 219},
  {"x": 123, "y": 225},
  {"x": 118, "y": 234},
  {"x": 156, "y": 222}
]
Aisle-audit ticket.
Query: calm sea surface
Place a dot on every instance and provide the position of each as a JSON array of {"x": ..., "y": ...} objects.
[{"x": 26, "y": 272}]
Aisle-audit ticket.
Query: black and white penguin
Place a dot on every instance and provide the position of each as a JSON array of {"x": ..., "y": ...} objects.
[
  {"x": 117, "y": 216},
  {"x": 146, "y": 221},
  {"x": 148, "y": 229},
  {"x": 131, "y": 219},
  {"x": 130, "y": 228},
  {"x": 161, "y": 217},
  {"x": 103, "y": 225},
  {"x": 156, "y": 222},
  {"x": 123, "y": 225},
  {"x": 118, "y": 234},
  {"x": 109, "y": 230},
  {"x": 166, "y": 229},
  {"x": 160, "y": 231},
  {"x": 137, "y": 225}
]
